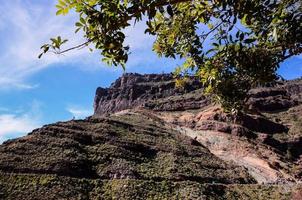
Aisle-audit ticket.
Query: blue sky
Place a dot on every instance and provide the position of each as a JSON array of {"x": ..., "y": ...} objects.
[{"x": 35, "y": 92}]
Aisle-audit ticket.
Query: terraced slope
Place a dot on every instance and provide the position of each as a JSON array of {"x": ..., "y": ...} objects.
[{"x": 100, "y": 154}]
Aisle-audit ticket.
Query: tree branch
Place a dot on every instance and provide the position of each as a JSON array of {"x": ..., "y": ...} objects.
[
  {"x": 204, "y": 36},
  {"x": 75, "y": 47}
]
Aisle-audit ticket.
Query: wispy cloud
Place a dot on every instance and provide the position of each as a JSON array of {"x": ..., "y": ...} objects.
[
  {"x": 8, "y": 83},
  {"x": 79, "y": 112},
  {"x": 17, "y": 124},
  {"x": 136, "y": 38},
  {"x": 27, "y": 24},
  {"x": 12, "y": 125},
  {"x": 24, "y": 28}
]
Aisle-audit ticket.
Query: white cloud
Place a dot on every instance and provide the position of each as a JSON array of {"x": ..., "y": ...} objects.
[
  {"x": 136, "y": 38},
  {"x": 79, "y": 112},
  {"x": 26, "y": 86},
  {"x": 25, "y": 26},
  {"x": 8, "y": 83},
  {"x": 14, "y": 124}
]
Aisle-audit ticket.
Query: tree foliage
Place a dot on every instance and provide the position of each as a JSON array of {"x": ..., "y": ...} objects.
[{"x": 232, "y": 45}]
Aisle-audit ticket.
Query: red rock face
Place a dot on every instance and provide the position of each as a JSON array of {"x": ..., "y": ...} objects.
[
  {"x": 135, "y": 90},
  {"x": 158, "y": 92}
]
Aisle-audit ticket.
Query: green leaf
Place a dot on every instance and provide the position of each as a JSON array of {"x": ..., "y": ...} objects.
[
  {"x": 170, "y": 10},
  {"x": 59, "y": 12},
  {"x": 275, "y": 34},
  {"x": 78, "y": 24},
  {"x": 77, "y": 30},
  {"x": 82, "y": 20},
  {"x": 235, "y": 20},
  {"x": 250, "y": 40},
  {"x": 46, "y": 49},
  {"x": 59, "y": 39},
  {"x": 243, "y": 20},
  {"x": 241, "y": 37},
  {"x": 209, "y": 51},
  {"x": 152, "y": 13}
]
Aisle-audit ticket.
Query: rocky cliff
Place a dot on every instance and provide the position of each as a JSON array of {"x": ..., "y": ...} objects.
[
  {"x": 135, "y": 90},
  {"x": 151, "y": 140},
  {"x": 157, "y": 92}
]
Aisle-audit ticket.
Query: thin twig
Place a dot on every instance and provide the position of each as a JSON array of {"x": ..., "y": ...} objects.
[
  {"x": 75, "y": 47},
  {"x": 205, "y": 36}
]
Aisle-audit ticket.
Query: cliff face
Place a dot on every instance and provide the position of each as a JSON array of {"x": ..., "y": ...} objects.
[
  {"x": 135, "y": 90},
  {"x": 151, "y": 140},
  {"x": 158, "y": 92}
]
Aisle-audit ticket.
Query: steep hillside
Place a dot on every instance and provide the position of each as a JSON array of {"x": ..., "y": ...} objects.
[
  {"x": 151, "y": 140},
  {"x": 266, "y": 140},
  {"x": 107, "y": 152}
]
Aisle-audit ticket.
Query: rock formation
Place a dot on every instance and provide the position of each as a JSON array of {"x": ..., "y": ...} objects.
[
  {"x": 158, "y": 92},
  {"x": 135, "y": 90}
]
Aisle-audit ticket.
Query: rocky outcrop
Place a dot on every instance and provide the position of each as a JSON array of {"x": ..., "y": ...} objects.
[
  {"x": 154, "y": 91},
  {"x": 294, "y": 87},
  {"x": 270, "y": 99},
  {"x": 158, "y": 92},
  {"x": 280, "y": 97},
  {"x": 267, "y": 145}
]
